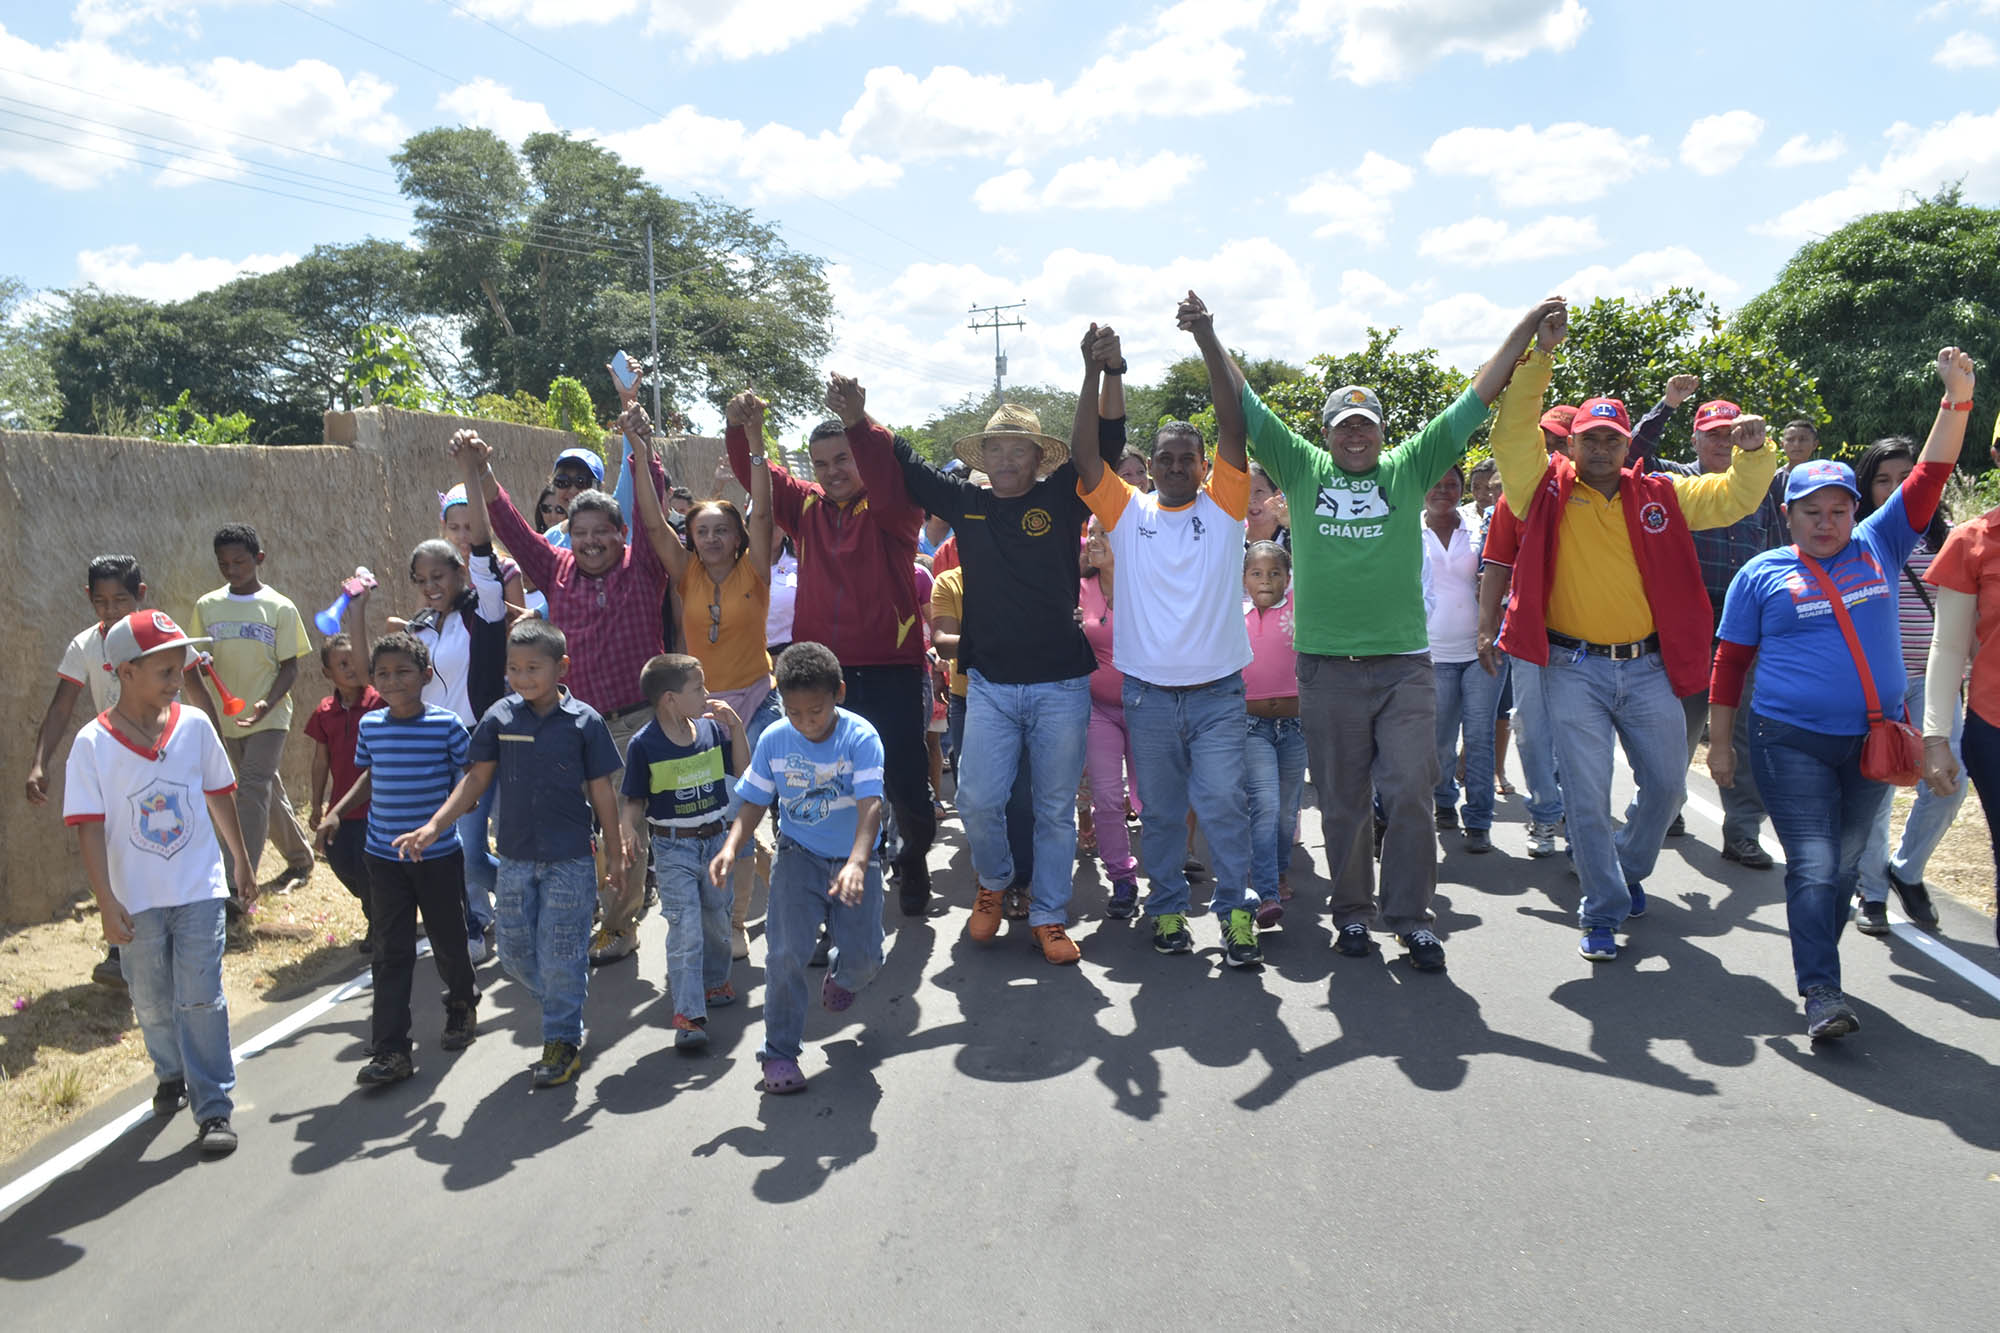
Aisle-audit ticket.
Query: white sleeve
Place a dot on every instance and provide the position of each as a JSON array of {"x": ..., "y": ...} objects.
[
  {"x": 1951, "y": 649},
  {"x": 82, "y": 799},
  {"x": 483, "y": 572},
  {"x": 75, "y": 665}
]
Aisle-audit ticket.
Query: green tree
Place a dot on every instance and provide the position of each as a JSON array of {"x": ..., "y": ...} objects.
[
  {"x": 29, "y": 398},
  {"x": 1054, "y": 408},
  {"x": 1865, "y": 310},
  {"x": 1183, "y": 390},
  {"x": 1414, "y": 386},
  {"x": 179, "y": 421},
  {"x": 384, "y": 370}
]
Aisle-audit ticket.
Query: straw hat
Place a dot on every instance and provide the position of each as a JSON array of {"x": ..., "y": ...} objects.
[{"x": 1012, "y": 422}]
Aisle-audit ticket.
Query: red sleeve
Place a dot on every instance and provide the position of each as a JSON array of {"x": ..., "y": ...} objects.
[
  {"x": 1922, "y": 490},
  {"x": 875, "y": 459},
  {"x": 538, "y": 560},
  {"x": 315, "y": 727},
  {"x": 1732, "y": 664},
  {"x": 788, "y": 493},
  {"x": 1503, "y": 537}
]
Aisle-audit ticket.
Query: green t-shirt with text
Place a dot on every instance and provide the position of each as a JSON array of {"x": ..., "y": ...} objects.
[{"x": 1357, "y": 537}]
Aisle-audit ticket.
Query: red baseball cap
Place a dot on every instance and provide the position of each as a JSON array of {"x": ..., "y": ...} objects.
[
  {"x": 143, "y": 633},
  {"x": 1605, "y": 412},
  {"x": 1720, "y": 414},
  {"x": 1556, "y": 420}
]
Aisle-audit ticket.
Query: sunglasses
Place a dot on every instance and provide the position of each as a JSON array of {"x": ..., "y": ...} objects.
[
  {"x": 553, "y": 511},
  {"x": 573, "y": 481}
]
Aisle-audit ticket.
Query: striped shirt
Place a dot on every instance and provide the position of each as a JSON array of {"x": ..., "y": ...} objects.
[
  {"x": 1914, "y": 615},
  {"x": 412, "y": 763},
  {"x": 816, "y": 785}
]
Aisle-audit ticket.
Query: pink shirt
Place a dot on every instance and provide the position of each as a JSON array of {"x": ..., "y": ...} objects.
[
  {"x": 1273, "y": 672},
  {"x": 1107, "y": 683}
]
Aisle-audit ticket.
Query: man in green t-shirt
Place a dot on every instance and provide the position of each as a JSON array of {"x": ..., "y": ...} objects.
[{"x": 1366, "y": 694}]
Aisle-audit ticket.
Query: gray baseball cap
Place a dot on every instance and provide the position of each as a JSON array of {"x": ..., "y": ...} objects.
[{"x": 1350, "y": 400}]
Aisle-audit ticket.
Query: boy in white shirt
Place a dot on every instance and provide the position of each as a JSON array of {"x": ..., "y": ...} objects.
[{"x": 149, "y": 789}]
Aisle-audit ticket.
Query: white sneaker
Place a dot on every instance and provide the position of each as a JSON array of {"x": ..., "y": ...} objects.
[{"x": 1541, "y": 839}]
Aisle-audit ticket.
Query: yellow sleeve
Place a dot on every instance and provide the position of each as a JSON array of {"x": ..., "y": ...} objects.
[
  {"x": 1109, "y": 499},
  {"x": 946, "y": 596},
  {"x": 1517, "y": 432},
  {"x": 1720, "y": 499},
  {"x": 1230, "y": 489}
]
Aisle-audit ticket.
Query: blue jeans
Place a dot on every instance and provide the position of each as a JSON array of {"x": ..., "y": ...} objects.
[
  {"x": 1929, "y": 817},
  {"x": 800, "y": 906},
  {"x": 173, "y": 970},
  {"x": 1048, "y": 724},
  {"x": 481, "y": 870},
  {"x": 1468, "y": 701},
  {"x": 1534, "y": 742},
  {"x": 1189, "y": 752},
  {"x": 544, "y": 933},
  {"x": 697, "y": 914},
  {"x": 1599, "y": 703},
  {"x": 1823, "y": 811},
  {"x": 1274, "y": 772}
]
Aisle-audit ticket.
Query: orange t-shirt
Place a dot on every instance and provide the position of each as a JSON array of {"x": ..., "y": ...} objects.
[
  {"x": 735, "y": 658},
  {"x": 1970, "y": 563}
]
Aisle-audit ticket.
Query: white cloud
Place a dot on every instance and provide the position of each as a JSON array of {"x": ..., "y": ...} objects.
[
  {"x": 1465, "y": 328},
  {"x": 1800, "y": 151},
  {"x": 1094, "y": 182},
  {"x": 772, "y": 161},
  {"x": 1714, "y": 144},
  {"x": 1379, "y": 41},
  {"x": 1966, "y": 147},
  {"x": 947, "y": 11},
  {"x": 1647, "y": 275},
  {"x": 1355, "y": 203},
  {"x": 1966, "y": 50},
  {"x": 1566, "y": 163},
  {"x": 119, "y": 268},
  {"x": 493, "y": 106},
  {"x": 1363, "y": 289},
  {"x": 1476, "y": 242},
  {"x": 308, "y": 103}
]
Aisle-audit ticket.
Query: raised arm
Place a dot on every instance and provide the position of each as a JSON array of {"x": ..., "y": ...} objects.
[
  {"x": 1716, "y": 501},
  {"x": 1544, "y": 325},
  {"x": 660, "y": 534},
  {"x": 1947, "y": 435},
  {"x": 873, "y": 447},
  {"x": 1647, "y": 434},
  {"x": 1232, "y": 429},
  {"x": 746, "y": 410},
  {"x": 1518, "y": 448},
  {"x": 534, "y": 555},
  {"x": 1083, "y": 453},
  {"x": 788, "y": 494}
]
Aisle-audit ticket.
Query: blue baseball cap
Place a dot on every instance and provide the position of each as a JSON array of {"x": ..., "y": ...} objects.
[
  {"x": 585, "y": 457},
  {"x": 1817, "y": 475}
]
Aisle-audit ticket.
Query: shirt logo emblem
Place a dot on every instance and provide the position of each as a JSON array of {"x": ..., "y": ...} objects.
[
  {"x": 1605, "y": 410},
  {"x": 1036, "y": 523},
  {"x": 160, "y": 824},
  {"x": 1653, "y": 516}
]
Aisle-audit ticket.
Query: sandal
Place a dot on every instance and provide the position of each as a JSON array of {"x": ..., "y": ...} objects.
[
  {"x": 1502, "y": 787},
  {"x": 782, "y": 1077}
]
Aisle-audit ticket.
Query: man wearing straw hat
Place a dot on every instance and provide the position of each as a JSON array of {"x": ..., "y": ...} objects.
[{"x": 1026, "y": 660}]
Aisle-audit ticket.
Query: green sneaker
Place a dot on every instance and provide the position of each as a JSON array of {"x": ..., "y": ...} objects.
[
  {"x": 1170, "y": 934},
  {"x": 559, "y": 1064},
  {"x": 1239, "y": 939}
]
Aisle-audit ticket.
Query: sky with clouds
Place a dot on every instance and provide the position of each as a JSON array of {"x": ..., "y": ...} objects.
[{"x": 1311, "y": 167}]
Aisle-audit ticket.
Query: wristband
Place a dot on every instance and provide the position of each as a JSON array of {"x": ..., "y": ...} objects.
[{"x": 1946, "y": 405}]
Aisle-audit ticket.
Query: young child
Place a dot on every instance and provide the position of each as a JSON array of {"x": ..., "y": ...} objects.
[
  {"x": 822, "y": 768},
  {"x": 259, "y": 638},
  {"x": 333, "y": 728},
  {"x": 677, "y": 773},
  {"x": 553, "y": 758},
  {"x": 148, "y": 790},
  {"x": 1275, "y": 760},
  {"x": 409, "y": 754},
  {"x": 116, "y": 590}
]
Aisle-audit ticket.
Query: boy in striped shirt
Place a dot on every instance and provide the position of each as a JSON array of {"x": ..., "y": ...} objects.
[{"x": 410, "y": 755}]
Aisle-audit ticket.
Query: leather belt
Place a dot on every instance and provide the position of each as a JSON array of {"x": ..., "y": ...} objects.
[
  {"x": 1617, "y": 652},
  {"x": 708, "y": 830}
]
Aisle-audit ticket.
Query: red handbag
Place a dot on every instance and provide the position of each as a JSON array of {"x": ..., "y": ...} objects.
[{"x": 1894, "y": 751}]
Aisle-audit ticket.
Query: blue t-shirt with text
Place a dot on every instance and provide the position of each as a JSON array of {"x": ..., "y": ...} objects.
[{"x": 816, "y": 784}]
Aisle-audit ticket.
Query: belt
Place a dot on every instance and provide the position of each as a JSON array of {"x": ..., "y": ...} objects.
[
  {"x": 708, "y": 830},
  {"x": 1189, "y": 689},
  {"x": 1617, "y": 652}
]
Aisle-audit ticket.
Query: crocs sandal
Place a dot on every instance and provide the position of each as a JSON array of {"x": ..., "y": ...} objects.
[
  {"x": 834, "y": 997},
  {"x": 782, "y": 1077}
]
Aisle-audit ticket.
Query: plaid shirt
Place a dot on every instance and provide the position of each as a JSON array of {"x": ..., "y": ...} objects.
[
  {"x": 1721, "y": 551},
  {"x": 613, "y": 622}
]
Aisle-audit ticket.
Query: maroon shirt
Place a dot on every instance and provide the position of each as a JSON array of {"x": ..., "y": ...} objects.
[{"x": 335, "y": 725}]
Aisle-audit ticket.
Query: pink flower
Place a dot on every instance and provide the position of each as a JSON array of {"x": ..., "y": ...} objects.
[{"x": 20, "y": 1003}]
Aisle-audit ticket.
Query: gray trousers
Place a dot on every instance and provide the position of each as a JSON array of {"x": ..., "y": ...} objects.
[
  {"x": 1742, "y": 806},
  {"x": 262, "y": 806},
  {"x": 1371, "y": 730}
]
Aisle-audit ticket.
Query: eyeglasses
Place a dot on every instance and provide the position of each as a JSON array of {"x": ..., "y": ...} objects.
[
  {"x": 715, "y": 620},
  {"x": 573, "y": 481},
  {"x": 553, "y": 511}
]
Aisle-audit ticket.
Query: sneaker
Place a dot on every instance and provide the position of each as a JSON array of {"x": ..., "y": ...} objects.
[
  {"x": 1638, "y": 907},
  {"x": 475, "y": 948},
  {"x": 1426, "y": 950},
  {"x": 1828, "y": 1015},
  {"x": 1124, "y": 904},
  {"x": 1871, "y": 918},
  {"x": 1352, "y": 940},
  {"x": 461, "y": 1027},
  {"x": 690, "y": 1034},
  {"x": 109, "y": 971},
  {"x": 720, "y": 997},
  {"x": 1269, "y": 913},
  {"x": 1239, "y": 939},
  {"x": 1014, "y": 902},
  {"x": 216, "y": 1138},
  {"x": 608, "y": 945},
  {"x": 913, "y": 889},
  {"x": 834, "y": 997},
  {"x": 1447, "y": 817},
  {"x": 559, "y": 1064},
  {"x": 1916, "y": 901},
  {"x": 1478, "y": 840},
  {"x": 984, "y": 922},
  {"x": 1170, "y": 934},
  {"x": 1057, "y": 946},
  {"x": 384, "y": 1068},
  {"x": 822, "y": 951},
  {"x": 1541, "y": 840},
  {"x": 1679, "y": 827},
  {"x": 170, "y": 1097},
  {"x": 1748, "y": 853},
  {"x": 1598, "y": 945}
]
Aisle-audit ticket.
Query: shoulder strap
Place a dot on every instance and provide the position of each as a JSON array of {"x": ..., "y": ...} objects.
[
  {"x": 1846, "y": 621},
  {"x": 1923, "y": 593}
]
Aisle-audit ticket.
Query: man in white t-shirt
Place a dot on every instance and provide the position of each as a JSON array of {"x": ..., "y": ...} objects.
[{"x": 1181, "y": 643}]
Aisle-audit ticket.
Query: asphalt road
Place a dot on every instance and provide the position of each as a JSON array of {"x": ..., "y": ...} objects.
[{"x": 1526, "y": 1141}]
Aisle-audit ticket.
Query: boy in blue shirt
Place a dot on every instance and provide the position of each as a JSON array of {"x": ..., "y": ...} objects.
[
  {"x": 677, "y": 773},
  {"x": 822, "y": 768},
  {"x": 553, "y": 757},
  {"x": 409, "y": 754}
]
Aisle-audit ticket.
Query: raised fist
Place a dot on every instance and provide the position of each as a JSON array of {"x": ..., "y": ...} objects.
[
  {"x": 746, "y": 409},
  {"x": 468, "y": 448},
  {"x": 846, "y": 399},
  {"x": 1681, "y": 388},
  {"x": 1955, "y": 369},
  {"x": 1748, "y": 434},
  {"x": 1193, "y": 315},
  {"x": 1551, "y": 323}
]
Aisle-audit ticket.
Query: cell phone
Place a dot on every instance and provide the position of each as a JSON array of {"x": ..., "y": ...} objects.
[{"x": 624, "y": 370}]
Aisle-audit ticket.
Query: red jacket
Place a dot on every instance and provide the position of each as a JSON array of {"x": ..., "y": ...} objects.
[
  {"x": 856, "y": 594},
  {"x": 1667, "y": 566}
]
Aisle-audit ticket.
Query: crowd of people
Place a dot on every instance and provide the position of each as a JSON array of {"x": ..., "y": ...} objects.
[{"x": 1087, "y": 634}]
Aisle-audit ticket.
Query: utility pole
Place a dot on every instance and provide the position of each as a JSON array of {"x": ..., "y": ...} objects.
[
  {"x": 996, "y": 324},
  {"x": 653, "y": 318}
]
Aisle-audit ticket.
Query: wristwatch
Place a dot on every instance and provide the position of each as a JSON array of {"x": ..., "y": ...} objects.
[
  {"x": 757, "y": 460},
  {"x": 1119, "y": 369}
]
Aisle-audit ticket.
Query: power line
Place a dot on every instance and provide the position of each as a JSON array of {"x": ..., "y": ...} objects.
[{"x": 361, "y": 37}]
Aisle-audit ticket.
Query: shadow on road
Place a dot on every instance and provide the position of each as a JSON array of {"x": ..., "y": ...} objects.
[{"x": 32, "y": 1244}]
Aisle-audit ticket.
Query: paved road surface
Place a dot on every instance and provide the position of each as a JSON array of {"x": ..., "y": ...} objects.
[{"x": 1528, "y": 1141}]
